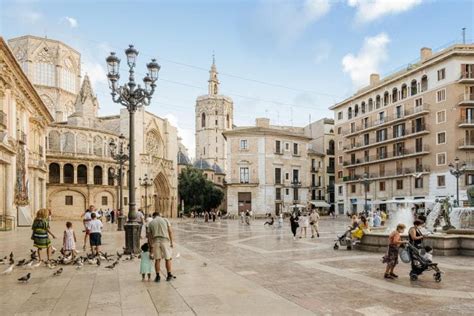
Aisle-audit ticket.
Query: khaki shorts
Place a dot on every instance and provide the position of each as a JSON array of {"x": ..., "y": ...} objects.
[{"x": 162, "y": 249}]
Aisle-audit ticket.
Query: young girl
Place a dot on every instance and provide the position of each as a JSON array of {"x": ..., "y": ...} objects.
[
  {"x": 145, "y": 262},
  {"x": 69, "y": 240},
  {"x": 391, "y": 258}
]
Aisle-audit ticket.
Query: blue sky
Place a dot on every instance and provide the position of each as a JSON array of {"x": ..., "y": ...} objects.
[{"x": 286, "y": 60}]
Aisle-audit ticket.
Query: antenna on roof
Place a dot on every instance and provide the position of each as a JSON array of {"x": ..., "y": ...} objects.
[{"x": 464, "y": 35}]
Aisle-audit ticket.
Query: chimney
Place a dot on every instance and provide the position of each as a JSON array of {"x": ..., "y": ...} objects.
[
  {"x": 262, "y": 122},
  {"x": 374, "y": 79},
  {"x": 425, "y": 53}
]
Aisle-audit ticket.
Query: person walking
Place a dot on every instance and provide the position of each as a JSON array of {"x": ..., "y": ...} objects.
[
  {"x": 160, "y": 240},
  {"x": 41, "y": 233},
  {"x": 415, "y": 238},
  {"x": 294, "y": 223},
  {"x": 95, "y": 239},
  {"x": 69, "y": 240},
  {"x": 303, "y": 223},
  {"x": 86, "y": 221},
  {"x": 314, "y": 223},
  {"x": 391, "y": 258},
  {"x": 112, "y": 216}
]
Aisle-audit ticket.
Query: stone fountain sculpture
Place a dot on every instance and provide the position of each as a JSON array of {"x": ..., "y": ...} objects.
[{"x": 446, "y": 208}]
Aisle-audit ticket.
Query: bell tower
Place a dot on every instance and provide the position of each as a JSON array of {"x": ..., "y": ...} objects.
[{"x": 214, "y": 115}]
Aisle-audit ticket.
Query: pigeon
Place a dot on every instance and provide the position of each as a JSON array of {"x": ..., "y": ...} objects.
[
  {"x": 25, "y": 278},
  {"x": 3, "y": 260},
  {"x": 111, "y": 266},
  {"x": 9, "y": 270},
  {"x": 21, "y": 262},
  {"x": 33, "y": 254},
  {"x": 119, "y": 255},
  {"x": 28, "y": 265},
  {"x": 60, "y": 270}
]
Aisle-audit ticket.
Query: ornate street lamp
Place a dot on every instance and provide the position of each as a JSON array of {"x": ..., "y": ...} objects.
[
  {"x": 457, "y": 171},
  {"x": 118, "y": 153},
  {"x": 366, "y": 181},
  {"x": 132, "y": 96},
  {"x": 146, "y": 183}
]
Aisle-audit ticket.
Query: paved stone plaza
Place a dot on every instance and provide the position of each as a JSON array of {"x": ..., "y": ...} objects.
[{"x": 227, "y": 268}]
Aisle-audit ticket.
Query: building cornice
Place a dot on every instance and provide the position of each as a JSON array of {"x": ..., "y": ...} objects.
[{"x": 264, "y": 132}]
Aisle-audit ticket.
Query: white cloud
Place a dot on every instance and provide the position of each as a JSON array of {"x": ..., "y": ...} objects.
[
  {"x": 96, "y": 72},
  {"x": 323, "y": 50},
  {"x": 368, "y": 60},
  {"x": 370, "y": 10},
  {"x": 286, "y": 20},
  {"x": 72, "y": 22},
  {"x": 187, "y": 135}
]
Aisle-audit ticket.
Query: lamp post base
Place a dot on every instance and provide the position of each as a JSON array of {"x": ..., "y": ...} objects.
[
  {"x": 132, "y": 238},
  {"x": 120, "y": 222}
]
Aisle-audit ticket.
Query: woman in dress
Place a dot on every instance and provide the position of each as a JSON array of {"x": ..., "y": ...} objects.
[
  {"x": 304, "y": 223},
  {"x": 69, "y": 240},
  {"x": 41, "y": 233},
  {"x": 391, "y": 258}
]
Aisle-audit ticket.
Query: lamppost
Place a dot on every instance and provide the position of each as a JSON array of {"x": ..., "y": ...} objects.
[
  {"x": 146, "y": 183},
  {"x": 133, "y": 97},
  {"x": 366, "y": 181},
  {"x": 119, "y": 154},
  {"x": 295, "y": 184},
  {"x": 457, "y": 171}
]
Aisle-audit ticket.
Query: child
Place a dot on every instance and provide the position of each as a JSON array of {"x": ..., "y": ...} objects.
[
  {"x": 391, "y": 258},
  {"x": 95, "y": 237},
  {"x": 428, "y": 256},
  {"x": 145, "y": 262},
  {"x": 69, "y": 240}
]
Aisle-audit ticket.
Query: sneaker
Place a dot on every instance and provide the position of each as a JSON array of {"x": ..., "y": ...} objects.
[
  {"x": 394, "y": 275},
  {"x": 157, "y": 278},
  {"x": 388, "y": 276},
  {"x": 170, "y": 277}
]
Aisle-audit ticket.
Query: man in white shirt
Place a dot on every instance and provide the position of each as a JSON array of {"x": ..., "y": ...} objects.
[
  {"x": 86, "y": 220},
  {"x": 95, "y": 227}
]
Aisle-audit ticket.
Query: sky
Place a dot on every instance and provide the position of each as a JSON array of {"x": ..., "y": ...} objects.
[{"x": 285, "y": 60}]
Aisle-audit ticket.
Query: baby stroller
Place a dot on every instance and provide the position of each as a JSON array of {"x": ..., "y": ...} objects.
[
  {"x": 344, "y": 240},
  {"x": 420, "y": 264}
]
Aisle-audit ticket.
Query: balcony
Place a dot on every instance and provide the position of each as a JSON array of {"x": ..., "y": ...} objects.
[
  {"x": 404, "y": 153},
  {"x": 466, "y": 143},
  {"x": 396, "y": 173},
  {"x": 330, "y": 152},
  {"x": 467, "y": 77},
  {"x": 390, "y": 119},
  {"x": 466, "y": 99},
  {"x": 415, "y": 131},
  {"x": 21, "y": 137},
  {"x": 236, "y": 181},
  {"x": 3, "y": 120},
  {"x": 466, "y": 122},
  {"x": 330, "y": 169}
]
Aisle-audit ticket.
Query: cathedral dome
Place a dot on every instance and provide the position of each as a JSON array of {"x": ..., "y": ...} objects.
[
  {"x": 217, "y": 169},
  {"x": 202, "y": 164},
  {"x": 183, "y": 159}
]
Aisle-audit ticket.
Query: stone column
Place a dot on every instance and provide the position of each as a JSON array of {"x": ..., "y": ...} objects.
[
  {"x": 105, "y": 177},
  {"x": 75, "y": 173},
  {"x": 90, "y": 174},
  {"x": 61, "y": 172}
]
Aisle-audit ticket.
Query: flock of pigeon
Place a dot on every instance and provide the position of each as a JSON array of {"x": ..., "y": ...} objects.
[{"x": 78, "y": 262}]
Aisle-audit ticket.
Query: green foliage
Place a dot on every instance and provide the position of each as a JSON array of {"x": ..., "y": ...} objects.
[{"x": 198, "y": 193}]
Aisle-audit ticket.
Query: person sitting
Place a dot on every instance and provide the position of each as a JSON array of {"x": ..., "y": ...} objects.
[
  {"x": 361, "y": 229},
  {"x": 377, "y": 220},
  {"x": 428, "y": 256}
]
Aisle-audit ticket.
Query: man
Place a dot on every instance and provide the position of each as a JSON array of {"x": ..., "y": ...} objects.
[
  {"x": 160, "y": 239},
  {"x": 314, "y": 223},
  {"x": 95, "y": 228},
  {"x": 86, "y": 221}
]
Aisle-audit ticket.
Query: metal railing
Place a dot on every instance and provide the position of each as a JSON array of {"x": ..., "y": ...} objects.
[
  {"x": 465, "y": 142},
  {"x": 330, "y": 169},
  {"x": 385, "y": 155},
  {"x": 467, "y": 75}
]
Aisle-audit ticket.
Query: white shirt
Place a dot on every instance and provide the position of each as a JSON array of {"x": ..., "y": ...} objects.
[
  {"x": 140, "y": 217},
  {"x": 87, "y": 219},
  {"x": 95, "y": 226}
]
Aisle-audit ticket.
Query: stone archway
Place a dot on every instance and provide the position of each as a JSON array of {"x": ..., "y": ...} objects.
[{"x": 162, "y": 197}]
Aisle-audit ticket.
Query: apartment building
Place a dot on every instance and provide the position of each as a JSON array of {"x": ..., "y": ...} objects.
[
  {"x": 268, "y": 169},
  {"x": 396, "y": 137}
]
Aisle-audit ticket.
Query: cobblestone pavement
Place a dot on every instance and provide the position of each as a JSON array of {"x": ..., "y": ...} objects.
[{"x": 228, "y": 268}]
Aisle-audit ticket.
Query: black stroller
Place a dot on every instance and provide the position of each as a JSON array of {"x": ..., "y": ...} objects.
[
  {"x": 420, "y": 264},
  {"x": 344, "y": 240}
]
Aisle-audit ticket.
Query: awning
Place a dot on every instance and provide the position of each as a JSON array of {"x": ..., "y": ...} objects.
[
  {"x": 297, "y": 205},
  {"x": 320, "y": 204}
]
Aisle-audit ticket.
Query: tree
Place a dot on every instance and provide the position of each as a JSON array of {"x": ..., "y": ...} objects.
[{"x": 197, "y": 192}]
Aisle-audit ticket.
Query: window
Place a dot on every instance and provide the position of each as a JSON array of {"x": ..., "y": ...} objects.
[
  {"x": 353, "y": 188},
  {"x": 277, "y": 175},
  {"x": 217, "y": 123},
  {"x": 339, "y": 174},
  {"x": 441, "y": 117},
  {"x": 399, "y": 149},
  {"x": 295, "y": 194},
  {"x": 381, "y": 170},
  {"x": 244, "y": 175},
  {"x": 296, "y": 175},
  {"x": 277, "y": 193},
  {"x": 45, "y": 74},
  {"x": 399, "y": 130},
  {"x": 339, "y": 160},
  {"x": 287, "y": 191},
  {"x": 441, "y": 95},
  {"x": 340, "y": 115},
  {"x": 287, "y": 176},
  {"x": 339, "y": 131},
  {"x": 399, "y": 184},
  {"x": 353, "y": 127},
  {"x": 382, "y": 152},
  {"x": 243, "y": 144},
  {"x": 404, "y": 91},
  {"x": 469, "y": 179},
  {"x": 381, "y": 117},
  {"x": 365, "y": 122},
  {"x": 441, "y": 181},
  {"x": 339, "y": 190},
  {"x": 399, "y": 111},
  {"x": 440, "y": 159},
  {"x": 68, "y": 80},
  {"x": 382, "y": 186},
  {"x": 295, "y": 149},
  {"x": 413, "y": 87},
  {"x": 104, "y": 200},
  {"x": 366, "y": 139},
  {"x": 339, "y": 144},
  {"x": 68, "y": 173},
  {"x": 424, "y": 83},
  {"x": 441, "y": 138},
  {"x": 418, "y": 102},
  {"x": 69, "y": 200},
  {"x": 419, "y": 183},
  {"x": 381, "y": 135},
  {"x": 349, "y": 113},
  {"x": 278, "y": 146},
  {"x": 287, "y": 146},
  {"x": 441, "y": 74},
  {"x": 203, "y": 120}
]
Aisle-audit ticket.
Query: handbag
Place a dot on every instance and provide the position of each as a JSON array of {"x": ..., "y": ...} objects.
[{"x": 405, "y": 255}]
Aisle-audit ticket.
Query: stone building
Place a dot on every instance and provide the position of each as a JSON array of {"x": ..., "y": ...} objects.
[
  {"x": 262, "y": 163},
  {"x": 23, "y": 127},
  {"x": 400, "y": 133},
  {"x": 79, "y": 162}
]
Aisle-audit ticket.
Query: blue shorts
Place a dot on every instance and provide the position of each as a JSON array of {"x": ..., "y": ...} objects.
[{"x": 95, "y": 239}]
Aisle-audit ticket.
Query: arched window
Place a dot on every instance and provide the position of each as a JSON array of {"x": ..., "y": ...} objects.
[
  {"x": 386, "y": 98},
  {"x": 394, "y": 95},
  {"x": 424, "y": 83},
  {"x": 362, "y": 107},
  {"x": 53, "y": 173},
  {"x": 413, "y": 87},
  {"x": 82, "y": 174},
  {"x": 203, "y": 120},
  {"x": 404, "y": 91},
  {"x": 228, "y": 121},
  {"x": 377, "y": 102},
  {"x": 110, "y": 176},
  {"x": 97, "y": 175},
  {"x": 68, "y": 173},
  {"x": 356, "y": 110},
  {"x": 331, "y": 147},
  {"x": 349, "y": 113},
  {"x": 371, "y": 104}
]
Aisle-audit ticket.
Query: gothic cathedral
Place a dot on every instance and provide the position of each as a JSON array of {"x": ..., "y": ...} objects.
[{"x": 214, "y": 115}]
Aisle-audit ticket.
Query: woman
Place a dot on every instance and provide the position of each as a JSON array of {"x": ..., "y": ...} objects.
[
  {"x": 415, "y": 238},
  {"x": 303, "y": 223},
  {"x": 41, "y": 230},
  {"x": 391, "y": 258},
  {"x": 294, "y": 223}
]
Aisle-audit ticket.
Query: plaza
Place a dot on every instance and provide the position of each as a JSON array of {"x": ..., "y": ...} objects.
[{"x": 228, "y": 268}]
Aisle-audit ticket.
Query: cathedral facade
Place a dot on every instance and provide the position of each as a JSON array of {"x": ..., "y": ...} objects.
[{"x": 80, "y": 166}]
